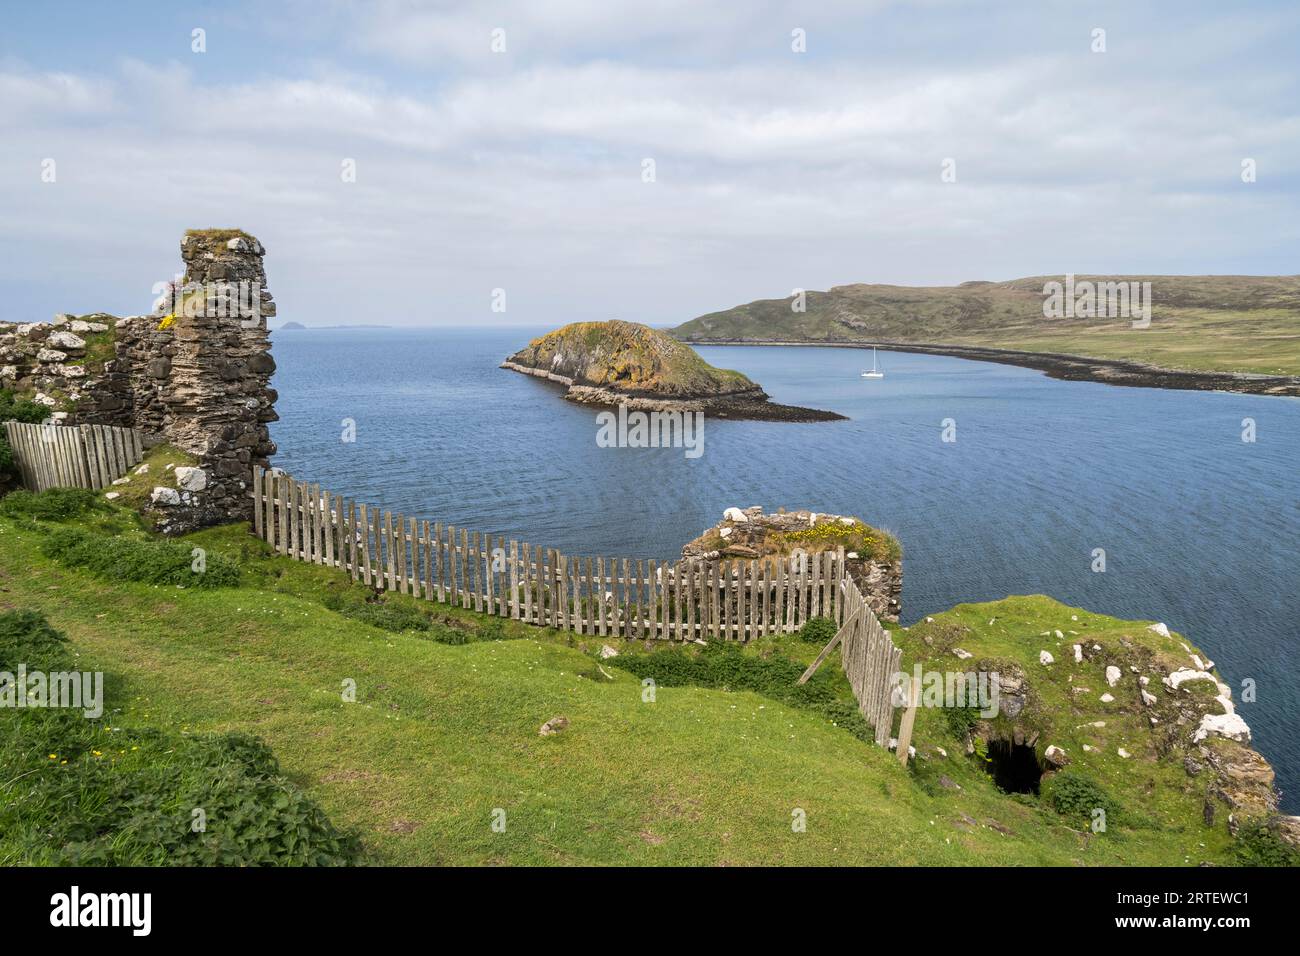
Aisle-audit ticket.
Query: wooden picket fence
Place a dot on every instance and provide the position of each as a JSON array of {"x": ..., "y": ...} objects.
[
  {"x": 870, "y": 661},
  {"x": 686, "y": 600},
  {"x": 73, "y": 456}
]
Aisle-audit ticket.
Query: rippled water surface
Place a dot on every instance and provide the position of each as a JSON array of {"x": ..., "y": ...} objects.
[{"x": 1200, "y": 530}]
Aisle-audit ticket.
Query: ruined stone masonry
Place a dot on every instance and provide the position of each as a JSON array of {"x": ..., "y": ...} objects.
[{"x": 194, "y": 374}]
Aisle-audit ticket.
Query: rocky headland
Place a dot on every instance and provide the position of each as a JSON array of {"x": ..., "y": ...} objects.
[{"x": 623, "y": 363}]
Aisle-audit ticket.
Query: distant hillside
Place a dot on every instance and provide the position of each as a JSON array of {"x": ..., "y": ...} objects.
[{"x": 1204, "y": 323}]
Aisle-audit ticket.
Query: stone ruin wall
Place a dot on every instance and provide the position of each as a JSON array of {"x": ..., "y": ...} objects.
[{"x": 202, "y": 383}]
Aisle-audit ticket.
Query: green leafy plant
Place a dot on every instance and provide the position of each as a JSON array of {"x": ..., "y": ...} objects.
[
  {"x": 1258, "y": 844},
  {"x": 1072, "y": 794},
  {"x": 130, "y": 559},
  {"x": 818, "y": 630}
]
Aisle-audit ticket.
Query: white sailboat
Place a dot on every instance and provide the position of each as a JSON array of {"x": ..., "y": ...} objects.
[{"x": 875, "y": 369}]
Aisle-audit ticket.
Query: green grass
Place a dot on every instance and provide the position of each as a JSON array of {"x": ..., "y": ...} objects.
[
  {"x": 442, "y": 734},
  {"x": 1201, "y": 323},
  {"x": 78, "y": 789}
]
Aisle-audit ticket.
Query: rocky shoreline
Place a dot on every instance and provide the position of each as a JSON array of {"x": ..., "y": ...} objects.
[
  {"x": 1079, "y": 368},
  {"x": 748, "y": 404}
]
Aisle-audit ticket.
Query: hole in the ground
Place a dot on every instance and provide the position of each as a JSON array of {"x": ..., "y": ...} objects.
[{"x": 1015, "y": 767}]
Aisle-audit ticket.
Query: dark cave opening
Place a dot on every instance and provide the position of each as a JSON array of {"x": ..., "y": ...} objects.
[{"x": 1014, "y": 767}]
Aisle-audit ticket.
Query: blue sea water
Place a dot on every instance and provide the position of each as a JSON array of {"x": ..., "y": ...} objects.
[{"x": 1201, "y": 530}]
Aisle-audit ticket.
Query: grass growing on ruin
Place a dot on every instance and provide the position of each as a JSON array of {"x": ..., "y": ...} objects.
[
  {"x": 441, "y": 735},
  {"x": 157, "y": 469},
  {"x": 1065, "y": 708},
  {"x": 859, "y": 537}
]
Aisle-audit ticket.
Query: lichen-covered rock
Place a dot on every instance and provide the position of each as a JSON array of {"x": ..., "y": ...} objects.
[
  {"x": 165, "y": 497},
  {"x": 66, "y": 341},
  {"x": 191, "y": 479}
]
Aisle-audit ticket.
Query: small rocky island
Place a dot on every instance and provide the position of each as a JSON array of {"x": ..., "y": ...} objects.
[{"x": 624, "y": 363}]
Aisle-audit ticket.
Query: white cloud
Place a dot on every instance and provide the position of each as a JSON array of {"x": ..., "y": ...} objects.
[{"x": 772, "y": 172}]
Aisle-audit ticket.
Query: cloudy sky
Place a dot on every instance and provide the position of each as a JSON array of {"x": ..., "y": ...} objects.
[{"x": 524, "y": 169}]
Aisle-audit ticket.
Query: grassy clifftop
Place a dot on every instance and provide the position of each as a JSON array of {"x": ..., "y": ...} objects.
[
  {"x": 630, "y": 358},
  {"x": 1200, "y": 323},
  {"x": 443, "y": 731}
]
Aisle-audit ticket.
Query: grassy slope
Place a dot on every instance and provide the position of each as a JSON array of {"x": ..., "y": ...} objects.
[
  {"x": 443, "y": 734},
  {"x": 627, "y": 357},
  {"x": 1219, "y": 323}
]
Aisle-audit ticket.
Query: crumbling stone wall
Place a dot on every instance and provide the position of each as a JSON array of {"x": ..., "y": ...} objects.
[
  {"x": 748, "y": 533},
  {"x": 195, "y": 374}
]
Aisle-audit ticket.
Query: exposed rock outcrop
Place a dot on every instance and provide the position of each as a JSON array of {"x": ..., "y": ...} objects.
[{"x": 623, "y": 363}]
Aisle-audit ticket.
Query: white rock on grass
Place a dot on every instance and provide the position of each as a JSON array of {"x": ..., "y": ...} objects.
[
  {"x": 121, "y": 481},
  {"x": 606, "y": 652},
  {"x": 1107, "y": 698},
  {"x": 1222, "y": 725},
  {"x": 1159, "y": 629},
  {"x": 1059, "y": 635},
  {"x": 962, "y": 654},
  {"x": 1078, "y": 653},
  {"x": 165, "y": 496},
  {"x": 735, "y": 514},
  {"x": 1180, "y": 677},
  {"x": 143, "y": 469},
  {"x": 1123, "y": 753},
  {"x": 1045, "y": 658},
  {"x": 113, "y": 494},
  {"x": 1113, "y": 674}
]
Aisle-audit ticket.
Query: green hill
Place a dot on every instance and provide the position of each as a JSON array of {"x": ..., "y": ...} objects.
[
  {"x": 628, "y": 358},
  {"x": 443, "y": 732},
  {"x": 1201, "y": 323}
]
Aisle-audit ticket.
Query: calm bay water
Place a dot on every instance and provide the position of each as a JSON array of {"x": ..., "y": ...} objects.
[{"x": 1200, "y": 530}]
